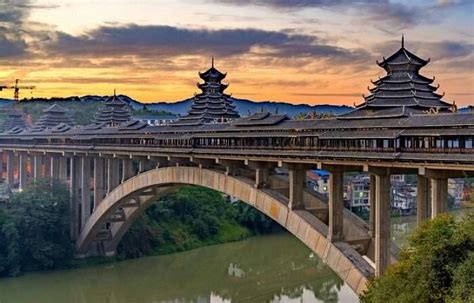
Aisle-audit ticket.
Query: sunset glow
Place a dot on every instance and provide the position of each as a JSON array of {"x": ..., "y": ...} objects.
[{"x": 311, "y": 52}]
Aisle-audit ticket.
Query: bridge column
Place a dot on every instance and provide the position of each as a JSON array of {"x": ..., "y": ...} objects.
[
  {"x": 55, "y": 167},
  {"x": 22, "y": 173},
  {"x": 10, "y": 168},
  {"x": 439, "y": 188},
  {"x": 85, "y": 189},
  {"x": 422, "y": 199},
  {"x": 75, "y": 194},
  {"x": 63, "y": 169},
  {"x": 141, "y": 165},
  {"x": 37, "y": 166},
  {"x": 99, "y": 180},
  {"x": 113, "y": 178},
  {"x": 127, "y": 171},
  {"x": 262, "y": 172},
  {"x": 1, "y": 166},
  {"x": 439, "y": 196},
  {"x": 296, "y": 179},
  {"x": 336, "y": 205},
  {"x": 382, "y": 220},
  {"x": 231, "y": 166},
  {"x": 373, "y": 189},
  {"x": 47, "y": 165}
]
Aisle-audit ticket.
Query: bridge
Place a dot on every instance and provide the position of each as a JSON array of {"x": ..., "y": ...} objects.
[{"x": 116, "y": 167}]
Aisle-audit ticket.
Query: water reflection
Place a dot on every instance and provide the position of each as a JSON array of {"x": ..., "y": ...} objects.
[{"x": 275, "y": 268}]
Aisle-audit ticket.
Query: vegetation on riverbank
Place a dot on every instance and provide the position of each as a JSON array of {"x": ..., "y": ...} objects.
[
  {"x": 189, "y": 218},
  {"x": 437, "y": 265},
  {"x": 34, "y": 230},
  {"x": 35, "y": 227}
]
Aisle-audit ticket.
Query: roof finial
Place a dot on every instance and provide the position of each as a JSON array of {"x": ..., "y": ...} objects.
[
  {"x": 403, "y": 41},
  {"x": 212, "y": 61},
  {"x": 115, "y": 94}
]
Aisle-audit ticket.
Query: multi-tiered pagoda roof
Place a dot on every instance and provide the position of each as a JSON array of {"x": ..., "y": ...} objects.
[
  {"x": 14, "y": 120},
  {"x": 212, "y": 105},
  {"x": 53, "y": 116},
  {"x": 114, "y": 112},
  {"x": 402, "y": 91}
]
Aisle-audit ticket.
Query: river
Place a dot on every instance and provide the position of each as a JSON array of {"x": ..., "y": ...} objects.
[{"x": 274, "y": 268}]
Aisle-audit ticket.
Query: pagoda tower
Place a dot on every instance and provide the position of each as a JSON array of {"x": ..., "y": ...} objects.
[
  {"x": 402, "y": 91},
  {"x": 114, "y": 112},
  {"x": 15, "y": 119},
  {"x": 212, "y": 105},
  {"x": 53, "y": 116}
]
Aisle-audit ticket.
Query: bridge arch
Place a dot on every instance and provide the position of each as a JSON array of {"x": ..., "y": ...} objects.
[{"x": 122, "y": 206}]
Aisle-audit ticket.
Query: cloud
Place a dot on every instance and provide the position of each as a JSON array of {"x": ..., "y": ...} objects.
[{"x": 167, "y": 41}]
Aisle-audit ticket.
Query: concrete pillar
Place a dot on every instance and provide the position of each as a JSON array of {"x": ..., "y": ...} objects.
[
  {"x": 1, "y": 166},
  {"x": 336, "y": 206},
  {"x": 63, "y": 169},
  {"x": 382, "y": 223},
  {"x": 127, "y": 171},
  {"x": 37, "y": 167},
  {"x": 113, "y": 178},
  {"x": 439, "y": 196},
  {"x": 99, "y": 180},
  {"x": 85, "y": 190},
  {"x": 141, "y": 165},
  {"x": 296, "y": 179},
  {"x": 373, "y": 189},
  {"x": 55, "y": 167},
  {"x": 47, "y": 166},
  {"x": 422, "y": 199},
  {"x": 261, "y": 177},
  {"x": 10, "y": 180},
  {"x": 22, "y": 173},
  {"x": 75, "y": 194}
]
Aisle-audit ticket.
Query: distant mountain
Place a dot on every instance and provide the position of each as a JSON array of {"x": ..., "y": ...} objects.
[{"x": 243, "y": 106}]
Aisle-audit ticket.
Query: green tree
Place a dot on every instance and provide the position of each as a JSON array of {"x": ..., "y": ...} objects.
[
  {"x": 435, "y": 266},
  {"x": 40, "y": 216}
]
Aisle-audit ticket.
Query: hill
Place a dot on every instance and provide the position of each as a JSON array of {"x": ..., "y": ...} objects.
[{"x": 83, "y": 108}]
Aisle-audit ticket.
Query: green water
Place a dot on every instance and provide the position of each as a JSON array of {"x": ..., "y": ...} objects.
[{"x": 276, "y": 268}]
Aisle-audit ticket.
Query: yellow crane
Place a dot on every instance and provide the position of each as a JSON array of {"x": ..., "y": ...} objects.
[{"x": 16, "y": 89}]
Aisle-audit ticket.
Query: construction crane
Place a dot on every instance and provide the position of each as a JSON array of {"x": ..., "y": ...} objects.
[{"x": 16, "y": 89}]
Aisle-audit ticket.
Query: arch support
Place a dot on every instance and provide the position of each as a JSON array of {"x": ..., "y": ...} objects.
[{"x": 117, "y": 211}]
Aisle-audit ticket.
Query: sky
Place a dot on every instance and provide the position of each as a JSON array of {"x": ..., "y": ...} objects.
[{"x": 298, "y": 51}]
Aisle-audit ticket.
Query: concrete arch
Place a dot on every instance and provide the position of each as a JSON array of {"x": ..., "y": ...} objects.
[{"x": 143, "y": 188}]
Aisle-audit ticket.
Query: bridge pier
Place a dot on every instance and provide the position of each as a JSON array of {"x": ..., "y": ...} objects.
[
  {"x": 113, "y": 178},
  {"x": 262, "y": 172},
  {"x": 75, "y": 194},
  {"x": 63, "y": 163},
  {"x": 86, "y": 209},
  {"x": 127, "y": 169},
  {"x": 336, "y": 205},
  {"x": 99, "y": 180},
  {"x": 372, "y": 190},
  {"x": 55, "y": 167},
  {"x": 10, "y": 168},
  {"x": 296, "y": 179},
  {"x": 439, "y": 196},
  {"x": 47, "y": 166},
  {"x": 382, "y": 222},
  {"x": 22, "y": 171},
  {"x": 422, "y": 199},
  {"x": 1, "y": 165}
]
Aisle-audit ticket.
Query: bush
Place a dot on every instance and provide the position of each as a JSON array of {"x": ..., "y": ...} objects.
[{"x": 435, "y": 266}]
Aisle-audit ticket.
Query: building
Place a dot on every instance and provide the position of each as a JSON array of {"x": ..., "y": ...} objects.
[
  {"x": 404, "y": 198},
  {"x": 15, "y": 122},
  {"x": 318, "y": 180},
  {"x": 212, "y": 105},
  {"x": 114, "y": 112},
  {"x": 53, "y": 116},
  {"x": 456, "y": 191},
  {"x": 358, "y": 192},
  {"x": 402, "y": 92},
  {"x": 157, "y": 120}
]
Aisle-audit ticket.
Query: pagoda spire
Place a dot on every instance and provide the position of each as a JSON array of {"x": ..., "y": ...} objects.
[
  {"x": 212, "y": 62},
  {"x": 403, "y": 41}
]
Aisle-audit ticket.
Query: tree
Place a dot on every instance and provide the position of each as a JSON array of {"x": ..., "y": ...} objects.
[
  {"x": 435, "y": 266},
  {"x": 37, "y": 228}
]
